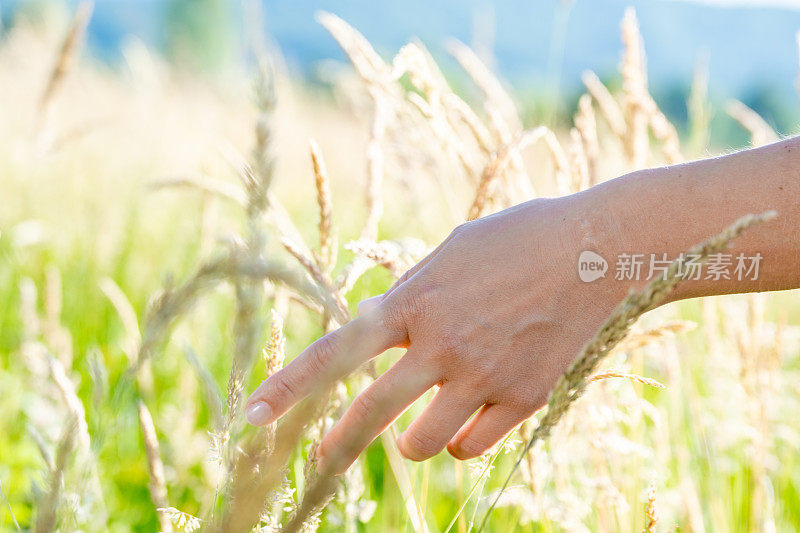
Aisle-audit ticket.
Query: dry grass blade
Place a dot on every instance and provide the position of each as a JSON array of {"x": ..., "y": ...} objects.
[
  {"x": 388, "y": 254},
  {"x": 66, "y": 53},
  {"x": 368, "y": 64},
  {"x": 374, "y": 189},
  {"x": 437, "y": 120},
  {"x": 425, "y": 75},
  {"x": 183, "y": 520},
  {"x": 279, "y": 217},
  {"x": 385, "y": 93},
  {"x": 323, "y": 280},
  {"x": 214, "y": 401},
  {"x": 352, "y": 272},
  {"x": 698, "y": 107},
  {"x": 248, "y": 320},
  {"x": 316, "y": 495},
  {"x": 650, "y": 509},
  {"x": 8, "y": 508},
  {"x": 55, "y": 334},
  {"x": 561, "y": 164},
  {"x": 664, "y": 131},
  {"x": 579, "y": 163},
  {"x": 291, "y": 278},
  {"x": 643, "y": 338},
  {"x": 31, "y": 321},
  {"x": 166, "y": 307},
  {"x": 494, "y": 168},
  {"x": 416, "y": 60},
  {"x": 158, "y": 485},
  {"x": 126, "y": 313},
  {"x": 77, "y": 414},
  {"x": 609, "y": 107},
  {"x": 495, "y": 95},
  {"x": 41, "y": 445},
  {"x": 635, "y": 95},
  {"x": 640, "y": 109},
  {"x": 761, "y": 133},
  {"x": 612, "y": 373},
  {"x": 412, "y": 505},
  {"x": 315, "y": 499},
  {"x": 572, "y": 384},
  {"x": 74, "y": 405},
  {"x": 247, "y": 328},
  {"x": 275, "y": 351},
  {"x": 327, "y": 233},
  {"x": 465, "y": 114},
  {"x": 257, "y": 469},
  {"x": 341, "y": 314},
  {"x": 48, "y": 506},
  {"x": 216, "y": 187},
  {"x": 452, "y": 145},
  {"x": 586, "y": 124}
]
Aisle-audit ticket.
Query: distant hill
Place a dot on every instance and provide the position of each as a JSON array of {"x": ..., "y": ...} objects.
[
  {"x": 751, "y": 52},
  {"x": 746, "y": 48}
]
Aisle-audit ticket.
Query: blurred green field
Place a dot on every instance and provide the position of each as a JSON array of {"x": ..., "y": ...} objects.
[{"x": 80, "y": 207}]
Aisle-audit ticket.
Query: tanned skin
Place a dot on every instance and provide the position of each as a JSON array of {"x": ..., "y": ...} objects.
[{"x": 497, "y": 312}]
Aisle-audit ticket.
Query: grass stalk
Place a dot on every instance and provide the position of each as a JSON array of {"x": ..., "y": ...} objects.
[{"x": 158, "y": 484}]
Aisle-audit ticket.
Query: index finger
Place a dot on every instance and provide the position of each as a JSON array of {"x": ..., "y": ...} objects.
[{"x": 331, "y": 357}]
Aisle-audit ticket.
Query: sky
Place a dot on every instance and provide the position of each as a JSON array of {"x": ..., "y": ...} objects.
[
  {"x": 749, "y": 46},
  {"x": 790, "y": 4}
]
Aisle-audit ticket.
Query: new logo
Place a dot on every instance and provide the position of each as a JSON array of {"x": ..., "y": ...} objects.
[{"x": 591, "y": 266}]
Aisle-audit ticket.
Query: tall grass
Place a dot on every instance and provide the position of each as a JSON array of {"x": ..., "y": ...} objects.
[{"x": 123, "y": 385}]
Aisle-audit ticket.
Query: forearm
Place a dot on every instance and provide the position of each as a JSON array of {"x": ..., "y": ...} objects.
[{"x": 668, "y": 209}]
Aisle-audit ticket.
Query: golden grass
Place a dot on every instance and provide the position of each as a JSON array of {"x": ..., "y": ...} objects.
[{"x": 466, "y": 161}]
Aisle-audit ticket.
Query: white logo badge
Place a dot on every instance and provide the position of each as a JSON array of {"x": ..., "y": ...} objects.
[{"x": 591, "y": 266}]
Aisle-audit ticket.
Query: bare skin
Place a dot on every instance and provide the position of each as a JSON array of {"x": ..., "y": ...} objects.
[{"x": 497, "y": 312}]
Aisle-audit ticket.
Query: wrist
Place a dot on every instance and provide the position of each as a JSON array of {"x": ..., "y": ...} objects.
[
  {"x": 646, "y": 219},
  {"x": 655, "y": 215},
  {"x": 595, "y": 234}
]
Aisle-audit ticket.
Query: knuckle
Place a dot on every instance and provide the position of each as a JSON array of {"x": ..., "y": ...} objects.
[
  {"x": 284, "y": 387},
  {"x": 421, "y": 443},
  {"x": 414, "y": 303},
  {"x": 489, "y": 373},
  {"x": 364, "y": 407},
  {"x": 391, "y": 317},
  {"x": 524, "y": 401},
  {"x": 461, "y": 229},
  {"x": 322, "y": 356},
  {"x": 405, "y": 277},
  {"x": 451, "y": 343}
]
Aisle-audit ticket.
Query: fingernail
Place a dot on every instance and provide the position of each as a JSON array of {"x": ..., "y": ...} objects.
[{"x": 258, "y": 414}]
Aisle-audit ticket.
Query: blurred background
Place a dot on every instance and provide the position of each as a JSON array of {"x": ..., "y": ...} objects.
[
  {"x": 134, "y": 154},
  {"x": 745, "y": 48}
]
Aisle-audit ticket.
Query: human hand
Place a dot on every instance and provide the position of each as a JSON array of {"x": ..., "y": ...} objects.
[
  {"x": 497, "y": 312},
  {"x": 493, "y": 316}
]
